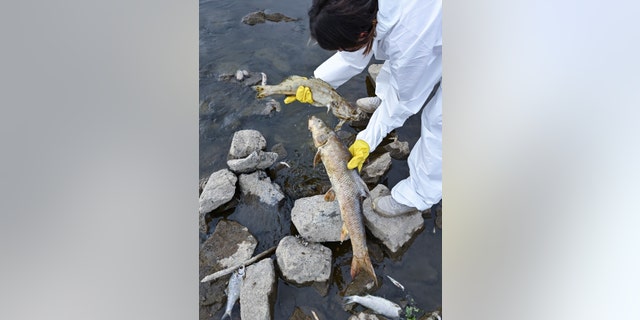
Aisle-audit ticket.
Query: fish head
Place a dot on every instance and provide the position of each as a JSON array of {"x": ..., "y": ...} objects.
[
  {"x": 241, "y": 271},
  {"x": 319, "y": 131}
]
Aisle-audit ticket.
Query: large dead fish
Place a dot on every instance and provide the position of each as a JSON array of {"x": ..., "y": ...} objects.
[
  {"x": 348, "y": 188},
  {"x": 323, "y": 96}
]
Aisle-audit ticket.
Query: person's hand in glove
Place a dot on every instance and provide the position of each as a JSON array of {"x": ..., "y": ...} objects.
[
  {"x": 360, "y": 151},
  {"x": 303, "y": 94}
]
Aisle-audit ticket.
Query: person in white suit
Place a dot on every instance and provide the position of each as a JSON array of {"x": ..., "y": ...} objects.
[{"x": 407, "y": 35}]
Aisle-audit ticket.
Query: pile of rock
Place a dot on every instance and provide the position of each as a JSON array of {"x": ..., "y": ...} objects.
[
  {"x": 247, "y": 161},
  {"x": 319, "y": 221}
]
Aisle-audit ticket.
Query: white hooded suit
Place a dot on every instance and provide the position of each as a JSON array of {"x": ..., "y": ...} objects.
[{"x": 409, "y": 39}]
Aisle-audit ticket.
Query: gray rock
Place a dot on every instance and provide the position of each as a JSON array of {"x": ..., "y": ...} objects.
[
  {"x": 374, "y": 70},
  {"x": 258, "y": 292},
  {"x": 303, "y": 262},
  {"x": 317, "y": 220},
  {"x": 259, "y": 184},
  {"x": 218, "y": 190},
  {"x": 245, "y": 142},
  {"x": 270, "y": 106},
  {"x": 398, "y": 149},
  {"x": 280, "y": 150},
  {"x": 394, "y": 232},
  {"x": 230, "y": 244},
  {"x": 257, "y": 160},
  {"x": 376, "y": 168}
]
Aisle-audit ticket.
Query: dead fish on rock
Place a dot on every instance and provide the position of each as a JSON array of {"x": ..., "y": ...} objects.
[
  {"x": 254, "y": 18},
  {"x": 376, "y": 304},
  {"x": 233, "y": 291},
  {"x": 348, "y": 188},
  {"x": 323, "y": 96}
]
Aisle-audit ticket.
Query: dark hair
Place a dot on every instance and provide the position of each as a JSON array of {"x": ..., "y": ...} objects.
[{"x": 343, "y": 24}]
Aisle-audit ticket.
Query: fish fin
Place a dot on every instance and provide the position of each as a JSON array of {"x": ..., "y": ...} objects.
[
  {"x": 330, "y": 195},
  {"x": 343, "y": 232},
  {"x": 348, "y": 300},
  {"x": 363, "y": 189},
  {"x": 363, "y": 263},
  {"x": 339, "y": 126},
  {"x": 226, "y": 316},
  {"x": 260, "y": 90},
  {"x": 317, "y": 158}
]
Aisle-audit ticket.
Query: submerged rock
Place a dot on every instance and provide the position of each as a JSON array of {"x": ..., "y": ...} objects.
[
  {"x": 254, "y": 18},
  {"x": 245, "y": 142},
  {"x": 303, "y": 262},
  {"x": 259, "y": 184},
  {"x": 317, "y": 220},
  {"x": 219, "y": 189},
  {"x": 258, "y": 292},
  {"x": 394, "y": 232}
]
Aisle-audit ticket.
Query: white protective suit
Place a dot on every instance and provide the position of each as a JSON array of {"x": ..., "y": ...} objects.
[{"x": 409, "y": 39}]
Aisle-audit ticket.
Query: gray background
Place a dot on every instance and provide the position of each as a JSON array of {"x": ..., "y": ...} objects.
[{"x": 99, "y": 169}]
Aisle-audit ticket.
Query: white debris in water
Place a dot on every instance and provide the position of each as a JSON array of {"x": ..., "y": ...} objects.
[
  {"x": 396, "y": 283},
  {"x": 245, "y": 73},
  {"x": 264, "y": 79},
  {"x": 284, "y": 164},
  {"x": 239, "y": 75}
]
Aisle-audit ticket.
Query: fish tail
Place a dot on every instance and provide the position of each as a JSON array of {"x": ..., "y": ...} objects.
[
  {"x": 260, "y": 90},
  {"x": 226, "y": 315},
  {"x": 363, "y": 263},
  {"x": 349, "y": 300}
]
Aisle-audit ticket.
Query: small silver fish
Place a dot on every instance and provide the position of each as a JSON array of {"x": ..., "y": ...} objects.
[
  {"x": 233, "y": 291},
  {"x": 376, "y": 304}
]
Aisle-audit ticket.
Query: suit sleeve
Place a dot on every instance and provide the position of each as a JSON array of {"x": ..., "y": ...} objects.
[
  {"x": 413, "y": 72},
  {"x": 342, "y": 66}
]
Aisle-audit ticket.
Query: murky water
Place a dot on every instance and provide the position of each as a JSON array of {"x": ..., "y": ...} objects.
[{"x": 280, "y": 50}]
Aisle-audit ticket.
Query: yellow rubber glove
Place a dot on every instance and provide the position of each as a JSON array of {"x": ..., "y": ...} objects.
[
  {"x": 360, "y": 151},
  {"x": 303, "y": 94}
]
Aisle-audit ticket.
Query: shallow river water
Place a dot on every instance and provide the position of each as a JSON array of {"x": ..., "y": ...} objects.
[{"x": 279, "y": 50}]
